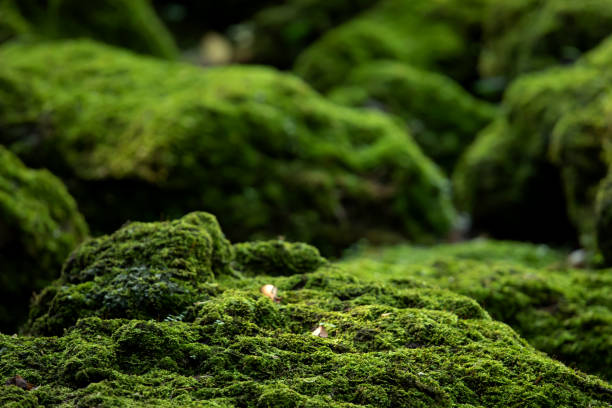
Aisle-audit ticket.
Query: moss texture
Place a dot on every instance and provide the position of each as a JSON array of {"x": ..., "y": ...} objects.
[
  {"x": 440, "y": 35},
  {"x": 443, "y": 118},
  {"x": 276, "y": 258},
  {"x": 141, "y": 139},
  {"x": 39, "y": 226},
  {"x": 528, "y": 35},
  {"x": 131, "y": 24},
  {"x": 566, "y": 313},
  {"x": 545, "y": 157},
  {"x": 386, "y": 345}
]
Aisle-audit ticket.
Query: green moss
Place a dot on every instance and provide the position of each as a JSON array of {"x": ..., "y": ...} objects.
[
  {"x": 564, "y": 312},
  {"x": 39, "y": 226},
  {"x": 437, "y": 35},
  {"x": 544, "y": 159},
  {"x": 141, "y": 271},
  {"x": 143, "y": 139},
  {"x": 128, "y": 23},
  {"x": 442, "y": 117},
  {"x": 281, "y": 32},
  {"x": 528, "y": 35},
  {"x": 276, "y": 258}
]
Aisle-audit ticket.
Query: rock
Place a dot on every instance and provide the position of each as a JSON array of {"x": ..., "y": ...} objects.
[
  {"x": 276, "y": 258},
  {"x": 39, "y": 226},
  {"x": 259, "y": 148}
]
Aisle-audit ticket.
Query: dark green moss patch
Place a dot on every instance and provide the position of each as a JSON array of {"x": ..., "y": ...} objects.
[{"x": 277, "y": 258}]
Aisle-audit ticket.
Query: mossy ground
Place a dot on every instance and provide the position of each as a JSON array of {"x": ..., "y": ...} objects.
[
  {"x": 387, "y": 345},
  {"x": 39, "y": 226},
  {"x": 151, "y": 139},
  {"x": 564, "y": 312}
]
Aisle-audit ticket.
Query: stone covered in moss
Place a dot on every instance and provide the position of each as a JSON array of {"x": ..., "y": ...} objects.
[
  {"x": 566, "y": 313},
  {"x": 439, "y": 35},
  {"x": 544, "y": 159},
  {"x": 276, "y": 258},
  {"x": 39, "y": 226},
  {"x": 528, "y": 35},
  {"x": 143, "y": 139},
  {"x": 143, "y": 270},
  {"x": 131, "y": 24},
  {"x": 442, "y": 117}
]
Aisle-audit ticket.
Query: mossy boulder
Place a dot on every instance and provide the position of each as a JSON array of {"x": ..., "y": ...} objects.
[
  {"x": 564, "y": 312},
  {"x": 439, "y": 35},
  {"x": 383, "y": 345},
  {"x": 276, "y": 258},
  {"x": 139, "y": 139},
  {"x": 39, "y": 226},
  {"x": 528, "y": 35},
  {"x": 544, "y": 158},
  {"x": 131, "y": 24},
  {"x": 443, "y": 118}
]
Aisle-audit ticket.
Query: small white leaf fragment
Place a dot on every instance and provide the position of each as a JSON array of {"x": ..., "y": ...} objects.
[
  {"x": 386, "y": 314},
  {"x": 270, "y": 291},
  {"x": 320, "y": 332}
]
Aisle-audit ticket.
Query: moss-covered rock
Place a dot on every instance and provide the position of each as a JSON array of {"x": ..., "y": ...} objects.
[
  {"x": 566, "y": 313},
  {"x": 39, "y": 226},
  {"x": 443, "y": 118},
  {"x": 276, "y": 258},
  {"x": 141, "y": 139},
  {"x": 131, "y": 24},
  {"x": 440, "y": 35},
  {"x": 142, "y": 271},
  {"x": 279, "y": 33},
  {"x": 528, "y": 35},
  {"x": 545, "y": 157}
]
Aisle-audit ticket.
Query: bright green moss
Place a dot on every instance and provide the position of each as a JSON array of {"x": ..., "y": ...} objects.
[
  {"x": 428, "y": 34},
  {"x": 543, "y": 160},
  {"x": 528, "y": 35},
  {"x": 442, "y": 117},
  {"x": 141, "y": 271},
  {"x": 566, "y": 313},
  {"x": 39, "y": 226},
  {"x": 143, "y": 139},
  {"x": 127, "y": 23},
  {"x": 276, "y": 258}
]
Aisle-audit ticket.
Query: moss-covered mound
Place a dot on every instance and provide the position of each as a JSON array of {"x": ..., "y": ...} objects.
[
  {"x": 443, "y": 118},
  {"x": 441, "y": 35},
  {"x": 528, "y": 35},
  {"x": 276, "y": 258},
  {"x": 544, "y": 158},
  {"x": 141, "y": 139},
  {"x": 565, "y": 312},
  {"x": 39, "y": 226},
  {"x": 131, "y": 24},
  {"x": 328, "y": 339}
]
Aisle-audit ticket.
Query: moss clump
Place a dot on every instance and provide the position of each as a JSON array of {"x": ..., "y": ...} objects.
[
  {"x": 148, "y": 139},
  {"x": 442, "y": 117},
  {"x": 39, "y": 226},
  {"x": 143, "y": 270},
  {"x": 385, "y": 347},
  {"x": 544, "y": 159},
  {"x": 281, "y": 32},
  {"x": 564, "y": 312},
  {"x": 128, "y": 23},
  {"x": 276, "y": 258},
  {"x": 528, "y": 35},
  {"x": 438, "y": 35}
]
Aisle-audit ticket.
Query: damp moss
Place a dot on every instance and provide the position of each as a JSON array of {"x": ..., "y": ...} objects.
[
  {"x": 528, "y": 35},
  {"x": 563, "y": 312},
  {"x": 439, "y": 35},
  {"x": 39, "y": 226},
  {"x": 138, "y": 139},
  {"x": 545, "y": 157},
  {"x": 276, "y": 257},
  {"x": 443, "y": 118},
  {"x": 131, "y": 24}
]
